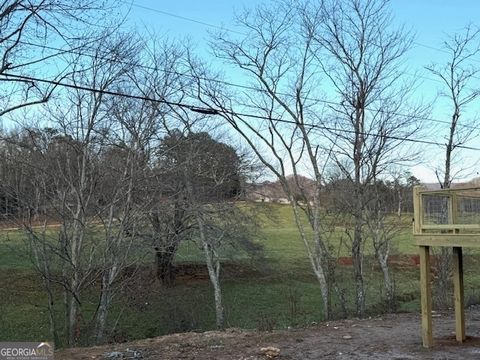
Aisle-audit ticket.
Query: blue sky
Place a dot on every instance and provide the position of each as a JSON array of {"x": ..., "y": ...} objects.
[{"x": 430, "y": 20}]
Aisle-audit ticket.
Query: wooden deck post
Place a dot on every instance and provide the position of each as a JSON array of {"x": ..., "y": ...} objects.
[
  {"x": 459, "y": 294},
  {"x": 426, "y": 296}
]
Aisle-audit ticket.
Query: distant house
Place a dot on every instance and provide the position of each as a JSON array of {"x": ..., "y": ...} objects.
[{"x": 272, "y": 191}]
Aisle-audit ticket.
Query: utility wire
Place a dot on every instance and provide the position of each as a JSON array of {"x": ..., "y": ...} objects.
[
  {"x": 213, "y": 26},
  {"x": 181, "y": 17},
  {"x": 204, "y": 23},
  {"x": 240, "y": 86},
  {"x": 213, "y": 111}
]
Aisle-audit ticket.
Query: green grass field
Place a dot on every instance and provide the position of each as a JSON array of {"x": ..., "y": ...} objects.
[{"x": 275, "y": 292}]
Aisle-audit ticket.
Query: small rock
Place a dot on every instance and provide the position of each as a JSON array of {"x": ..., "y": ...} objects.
[
  {"x": 113, "y": 355},
  {"x": 128, "y": 354},
  {"x": 270, "y": 352},
  {"x": 347, "y": 337},
  {"x": 134, "y": 354}
]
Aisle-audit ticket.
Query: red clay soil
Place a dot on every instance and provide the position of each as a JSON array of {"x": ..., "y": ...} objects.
[
  {"x": 387, "y": 337},
  {"x": 396, "y": 260}
]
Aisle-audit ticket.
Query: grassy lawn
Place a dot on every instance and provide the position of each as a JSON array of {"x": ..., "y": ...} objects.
[{"x": 276, "y": 291}]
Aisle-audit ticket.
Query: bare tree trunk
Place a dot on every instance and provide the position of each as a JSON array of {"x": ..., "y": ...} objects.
[
  {"x": 357, "y": 258},
  {"x": 444, "y": 263},
  {"x": 104, "y": 306},
  {"x": 42, "y": 264},
  {"x": 72, "y": 330},
  {"x": 213, "y": 266},
  {"x": 51, "y": 311},
  {"x": 382, "y": 252},
  {"x": 66, "y": 312},
  {"x": 166, "y": 271},
  {"x": 102, "y": 317},
  {"x": 400, "y": 201},
  {"x": 357, "y": 243},
  {"x": 447, "y": 178},
  {"x": 317, "y": 258},
  {"x": 76, "y": 246},
  {"x": 116, "y": 247},
  {"x": 382, "y": 230},
  {"x": 72, "y": 302},
  {"x": 169, "y": 237},
  {"x": 387, "y": 282}
]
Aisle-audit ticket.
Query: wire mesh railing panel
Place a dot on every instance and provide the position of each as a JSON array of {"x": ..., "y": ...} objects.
[
  {"x": 468, "y": 210},
  {"x": 435, "y": 209}
]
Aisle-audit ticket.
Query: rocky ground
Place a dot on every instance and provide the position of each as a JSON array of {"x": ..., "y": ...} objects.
[{"x": 387, "y": 337}]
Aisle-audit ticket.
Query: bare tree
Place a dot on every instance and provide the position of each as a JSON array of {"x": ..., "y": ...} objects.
[
  {"x": 120, "y": 210},
  {"x": 361, "y": 54},
  {"x": 350, "y": 43},
  {"x": 212, "y": 187},
  {"x": 90, "y": 114},
  {"x": 457, "y": 76},
  {"x": 66, "y": 175},
  {"x": 381, "y": 227},
  {"x": 53, "y": 158},
  {"x": 160, "y": 77},
  {"x": 276, "y": 55}
]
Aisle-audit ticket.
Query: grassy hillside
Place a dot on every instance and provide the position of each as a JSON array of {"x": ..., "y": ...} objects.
[{"x": 276, "y": 290}]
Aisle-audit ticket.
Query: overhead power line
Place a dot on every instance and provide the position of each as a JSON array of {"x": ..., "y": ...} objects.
[
  {"x": 75, "y": 51},
  {"x": 181, "y": 17},
  {"x": 213, "y": 111},
  {"x": 218, "y": 27},
  {"x": 222, "y": 28}
]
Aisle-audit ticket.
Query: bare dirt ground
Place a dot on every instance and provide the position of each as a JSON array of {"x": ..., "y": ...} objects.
[{"x": 387, "y": 337}]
